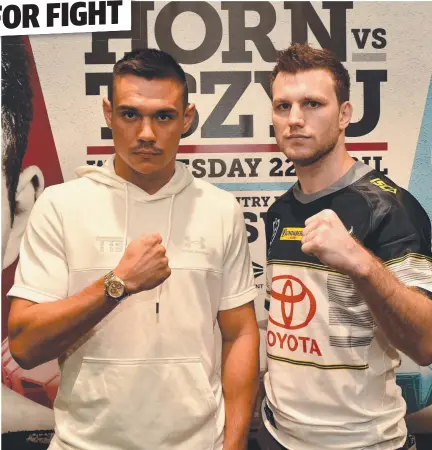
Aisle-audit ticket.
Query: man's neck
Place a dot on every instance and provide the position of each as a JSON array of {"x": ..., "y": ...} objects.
[
  {"x": 150, "y": 183},
  {"x": 324, "y": 172}
]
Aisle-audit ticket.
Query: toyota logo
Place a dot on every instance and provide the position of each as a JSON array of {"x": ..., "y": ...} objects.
[{"x": 290, "y": 292}]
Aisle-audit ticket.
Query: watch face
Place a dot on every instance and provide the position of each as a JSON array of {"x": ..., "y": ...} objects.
[{"x": 115, "y": 289}]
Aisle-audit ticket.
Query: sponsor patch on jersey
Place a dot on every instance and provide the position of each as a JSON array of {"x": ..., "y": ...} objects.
[
  {"x": 383, "y": 186},
  {"x": 292, "y": 234}
]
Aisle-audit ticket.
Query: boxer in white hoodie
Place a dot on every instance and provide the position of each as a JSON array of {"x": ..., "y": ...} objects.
[{"x": 125, "y": 275}]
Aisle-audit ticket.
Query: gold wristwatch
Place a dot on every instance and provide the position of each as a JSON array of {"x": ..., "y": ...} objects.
[{"x": 115, "y": 288}]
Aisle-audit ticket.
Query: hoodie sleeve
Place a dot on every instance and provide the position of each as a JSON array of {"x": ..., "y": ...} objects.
[
  {"x": 42, "y": 271},
  {"x": 238, "y": 286}
]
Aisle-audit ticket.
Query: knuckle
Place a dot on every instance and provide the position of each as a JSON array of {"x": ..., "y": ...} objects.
[
  {"x": 306, "y": 248},
  {"x": 328, "y": 215},
  {"x": 156, "y": 238}
]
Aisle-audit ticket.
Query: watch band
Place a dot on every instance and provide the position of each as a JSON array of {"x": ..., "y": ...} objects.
[{"x": 115, "y": 288}]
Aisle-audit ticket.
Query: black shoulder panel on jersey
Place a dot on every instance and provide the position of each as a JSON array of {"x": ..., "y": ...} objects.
[{"x": 399, "y": 225}]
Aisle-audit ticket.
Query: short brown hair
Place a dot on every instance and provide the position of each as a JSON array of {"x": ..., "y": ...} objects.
[{"x": 302, "y": 57}]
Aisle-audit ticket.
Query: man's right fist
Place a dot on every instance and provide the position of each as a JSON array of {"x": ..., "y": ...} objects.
[{"x": 144, "y": 264}]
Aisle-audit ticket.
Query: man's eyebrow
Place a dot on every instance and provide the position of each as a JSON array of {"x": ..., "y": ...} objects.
[
  {"x": 166, "y": 111},
  {"x": 308, "y": 97},
  {"x": 135, "y": 109},
  {"x": 315, "y": 98},
  {"x": 279, "y": 100},
  {"x": 127, "y": 107}
]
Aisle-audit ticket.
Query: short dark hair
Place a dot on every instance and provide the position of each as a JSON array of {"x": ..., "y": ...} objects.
[
  {"x": 16, "y": 111},
  {"x": 151, "y": 63},
  {"x": 302, "y": 57}
]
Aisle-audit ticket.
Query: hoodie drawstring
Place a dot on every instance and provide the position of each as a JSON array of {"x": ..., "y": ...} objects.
[
  {"x": 126, "y": 218},
  {"x": 159, "y": 288},
  {"x": 170, "y": 213}
]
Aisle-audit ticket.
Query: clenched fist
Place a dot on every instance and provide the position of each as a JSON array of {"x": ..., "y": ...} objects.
[
  {"x": 144, "y": 264},
  {"x": 326, "y": 237}
]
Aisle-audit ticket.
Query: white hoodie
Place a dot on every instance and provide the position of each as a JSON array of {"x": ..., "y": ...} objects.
[{"x": 138, "y": 381}]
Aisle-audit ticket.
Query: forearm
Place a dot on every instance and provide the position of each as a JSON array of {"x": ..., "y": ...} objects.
[
  {"x": 44, "y": 331},
  {"x": 403, "y": 313},
  {"x": 420, "y": 421},
  {"x": 240, "y": 379}
]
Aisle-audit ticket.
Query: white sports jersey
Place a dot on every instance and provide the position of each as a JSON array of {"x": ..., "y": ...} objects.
[{"x": 331, "y": 380}]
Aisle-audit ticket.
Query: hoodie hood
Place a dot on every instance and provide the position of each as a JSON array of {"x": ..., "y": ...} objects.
[{"x": 106, "y": 175}]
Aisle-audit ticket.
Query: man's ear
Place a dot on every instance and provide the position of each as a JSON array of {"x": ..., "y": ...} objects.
[
  {"x": 345, "y": 115},
  {"x": 189, "y": 115},
  {"x": 107, "y": 111},
  {"x": 30, "y": 186}
]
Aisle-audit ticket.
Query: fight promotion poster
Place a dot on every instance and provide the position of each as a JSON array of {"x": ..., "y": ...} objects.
[{"x": 227, "y": 50}]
